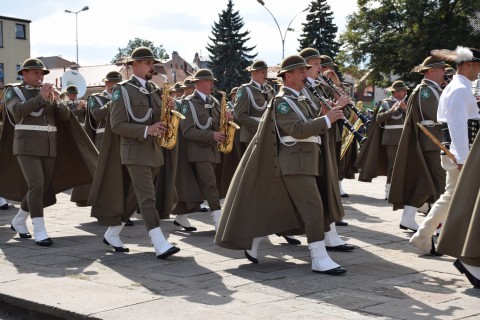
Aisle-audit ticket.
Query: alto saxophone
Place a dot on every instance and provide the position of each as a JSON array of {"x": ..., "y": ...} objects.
[
  {"x": 226, "y": 127},
  {"x": 169, "y": 118}
]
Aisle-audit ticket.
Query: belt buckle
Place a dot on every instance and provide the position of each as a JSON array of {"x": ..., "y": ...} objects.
[{"x": 49, "y": 128}]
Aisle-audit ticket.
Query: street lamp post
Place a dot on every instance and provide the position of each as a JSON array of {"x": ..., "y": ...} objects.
[
  {"x": 282, "y": 35},
  {"x": 76, "y": 24}
]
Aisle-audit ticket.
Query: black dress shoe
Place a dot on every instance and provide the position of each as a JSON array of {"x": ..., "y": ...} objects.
[
  {"x": 407, "y": 228},
  {"x": 117, "y": 249},
  {"x": 290, "y": 240},
  {"x": 22, "y": 235},
  {"x": 433, "y": 251},
  {"x": 168, "y": 253},
  {"x": 343, "y": 247},
  {"x": 6, "y": 206},
  {"x": 82, "y": 204},
  {"x": 45, "y": 242},
  {"x": 204, "y": 209},
  {"x": 333, "y": 272},
  {"x": 249, "y": 257},
  {"x": 473, "y": 280},
  {"x": 341, "y": 223},
  {"x": 129, "y": 223},
  {"x": 344, "y": 195},
  {"x": 189, "y": 229}
]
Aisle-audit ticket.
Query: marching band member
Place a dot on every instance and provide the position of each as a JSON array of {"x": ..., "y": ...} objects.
[
  {"x": 458, "y": 111},
  {"x": 43, "y": 131},
  {"x": 418, "y": 176},
  {"x": 131, "y": 145},
  {"x": 78, "y": 107},
  {"x": 275, "y": 187},
  {"x": 391, "y": 116},
  {"x": 201, "y": 136},
  {"x": 332, "y": 241}
]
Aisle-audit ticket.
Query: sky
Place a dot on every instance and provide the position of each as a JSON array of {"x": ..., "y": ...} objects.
[{"x": 183, "y": 25}]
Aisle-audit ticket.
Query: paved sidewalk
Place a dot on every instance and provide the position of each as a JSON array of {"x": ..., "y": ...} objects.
[{"x": 81, "y": 278}]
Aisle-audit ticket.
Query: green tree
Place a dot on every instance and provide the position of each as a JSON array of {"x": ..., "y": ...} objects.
[
  {"x": 123, "y": 53},
  {"x": 228, "y": 54},
  {"x": 319, "y": 31},
  {"x": 393, "y": 36}
]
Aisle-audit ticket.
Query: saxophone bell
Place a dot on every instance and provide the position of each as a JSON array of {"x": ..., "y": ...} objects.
[
  {"x": 170, "y": 119},
  {"x": 227, "y": 127}
]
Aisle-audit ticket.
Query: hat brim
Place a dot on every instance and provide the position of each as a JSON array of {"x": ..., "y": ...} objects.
[
  {"x": 129, "y": 62},
  {"x": 293, "y": 67},
  {"x": 396, "y": 89},
  {"x": 45, "y": 70},
  {"x": 206, "y": 78},
  {"x": 112, "y": 80},
  {"x": 250, "y": 69}
]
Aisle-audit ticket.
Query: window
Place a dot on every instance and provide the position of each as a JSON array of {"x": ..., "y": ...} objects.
[
  {"x": 1, "y": 34},
  {"x": 20, "y": 78},
  {"x": 1, "y": 76},
  {"x": 20, "y": 31}
]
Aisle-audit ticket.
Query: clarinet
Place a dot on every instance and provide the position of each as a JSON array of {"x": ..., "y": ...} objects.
[
  {"x": 340, "y": 92},
  {"x": 361, "y": 139}
]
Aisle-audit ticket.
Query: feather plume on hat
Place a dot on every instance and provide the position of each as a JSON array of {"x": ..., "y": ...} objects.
[{"x": 461, "y": 54}]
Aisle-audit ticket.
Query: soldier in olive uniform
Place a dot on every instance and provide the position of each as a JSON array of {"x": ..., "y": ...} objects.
[
  {"x": 332, "y": 241},
  {"x": 418, "y": 176},
  {"x": 35, "y": 143},
  {"x": 391, "y": 116},
  {"x": 252, "y": 99},
  {"x": 188, "y": 87},
  {"x": 98, "y": 107},
  {"x": 78, "y": 107},
  {"x": 201, "y": 137},
  {"x": 135, "y": 110},
  {"x": 292, "y": 200}
]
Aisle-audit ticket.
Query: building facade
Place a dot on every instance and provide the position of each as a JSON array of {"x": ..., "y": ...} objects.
[{"x": 14, "y": 48}]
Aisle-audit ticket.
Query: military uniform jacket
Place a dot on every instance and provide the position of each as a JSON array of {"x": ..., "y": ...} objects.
[
  {"x": 133, "y": 109},
  {"x": 69, "y": 145},
  {"x": 391, "y": 121},
  {"x": 412, "y": 182},
  {"x": 257, "y": 203},
  {"x": 80, "y": 114},
  {"x": 250, "y": 104},
  {"x": 97, "y": 106},
  {"x": 201, "y": 121},
  {"x": 295, "y": 119},
  {"x": 34, "y": 111},
  {"x": 424, "y": 98}
]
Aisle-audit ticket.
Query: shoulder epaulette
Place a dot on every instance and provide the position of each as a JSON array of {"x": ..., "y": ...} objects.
[
  {"x": 16, "y": 84},
  {"x": 123, "y": 82},
  {"x": 190, "y": 97}
]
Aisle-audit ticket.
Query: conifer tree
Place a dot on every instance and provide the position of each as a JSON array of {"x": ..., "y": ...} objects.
[
  {"x": 229, "y": 55},
  {"x": 319, "y": 31}
]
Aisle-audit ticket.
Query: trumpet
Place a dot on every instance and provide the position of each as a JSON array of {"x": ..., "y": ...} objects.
[{"x": 53, "y": 94}]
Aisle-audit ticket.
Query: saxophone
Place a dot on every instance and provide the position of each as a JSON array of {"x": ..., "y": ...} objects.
[
  {"x": 226, "y": 127},
  {"x": 169, "y": 118}
]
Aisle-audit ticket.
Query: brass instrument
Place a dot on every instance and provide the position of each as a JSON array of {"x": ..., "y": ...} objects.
[
  {"x": 169, "y": 118},
  {"x": 53, "y": 95},
  {"x": 226, "y": 127},
  {"x": 348, "y": 135}
]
